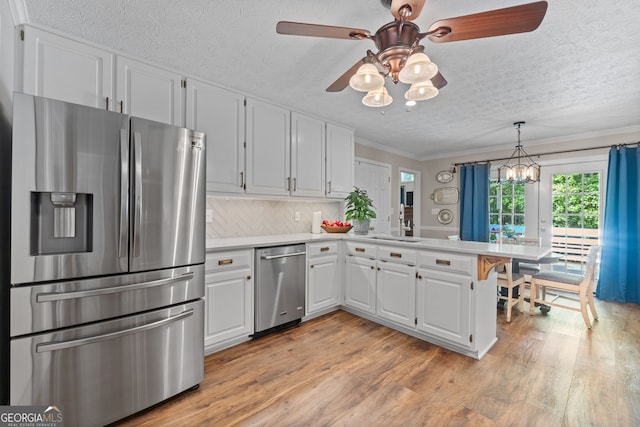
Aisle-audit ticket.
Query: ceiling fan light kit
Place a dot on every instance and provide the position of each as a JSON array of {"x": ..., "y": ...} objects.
[
  {"x": 514, "y": 171},
  {"x": 400, "y": 55},
  {"x": 421, "y": 91},
  {"x": 417, "y": 68},
  {"x": 377, "y": 98},
  {"x": 366, "y": 79}
]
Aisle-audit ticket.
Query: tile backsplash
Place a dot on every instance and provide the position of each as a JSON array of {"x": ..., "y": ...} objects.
[{"x": 236, "y": 217}]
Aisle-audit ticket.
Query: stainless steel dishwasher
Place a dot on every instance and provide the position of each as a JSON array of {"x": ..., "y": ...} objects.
[{"x": 279, "y": 287}]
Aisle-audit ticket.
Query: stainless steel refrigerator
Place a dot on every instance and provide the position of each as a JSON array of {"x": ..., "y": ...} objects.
[{"x": 107, "y": 260}]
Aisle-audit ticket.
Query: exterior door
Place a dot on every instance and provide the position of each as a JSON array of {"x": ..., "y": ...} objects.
[
  {"x": 571, "y": 211},
  {"x": 168, "y": 196}
]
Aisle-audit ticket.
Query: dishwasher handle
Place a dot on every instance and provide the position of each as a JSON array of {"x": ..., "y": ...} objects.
[{"x": 267, "y": 257}]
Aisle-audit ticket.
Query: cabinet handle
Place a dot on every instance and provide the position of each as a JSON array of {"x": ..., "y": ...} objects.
[
  {"x": 249, "y": 277},
  {"x": 325, "y": 249},
  {"x": 241, "y": 179},
  {"x": 443, "y": 262},
  {"x": 295, "y": 184},
  {"x": 329, "y": 187},
  {"x": 121, "y": 106},
  {"x": 378, "y": 268},
  {"x": 311, "y": 266},
  {"x": 395, "y": 255},
  {"x": 373, "y": 268},
  {"x": 359, "y": 249},
  {"x": 289, "y": 183},
  {"x": 225, "y": 262},
  {"x": 107, "y": 104}
]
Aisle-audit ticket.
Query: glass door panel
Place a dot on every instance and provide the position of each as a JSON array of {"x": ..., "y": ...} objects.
[{"x": 571, "y": 209}]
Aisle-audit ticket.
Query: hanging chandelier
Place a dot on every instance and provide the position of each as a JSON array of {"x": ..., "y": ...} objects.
[{"x": 519, "y": 168}]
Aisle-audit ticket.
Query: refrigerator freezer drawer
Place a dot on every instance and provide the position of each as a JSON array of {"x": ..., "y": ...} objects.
[
  {"x": 56, "y": 305},
  {"x": 106, "y": 371}
]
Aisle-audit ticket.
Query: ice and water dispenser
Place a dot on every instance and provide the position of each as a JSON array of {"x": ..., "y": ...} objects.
[{"x": 61, "y": 223}]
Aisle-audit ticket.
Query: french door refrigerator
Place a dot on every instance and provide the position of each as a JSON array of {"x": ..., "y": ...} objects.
[{"x": 107, "y": 260}]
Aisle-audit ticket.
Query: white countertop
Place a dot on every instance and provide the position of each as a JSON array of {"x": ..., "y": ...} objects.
[{"x": 459, "y": 246}]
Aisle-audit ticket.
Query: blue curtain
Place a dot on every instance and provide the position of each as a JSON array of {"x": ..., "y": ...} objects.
[
  {"x": 620, "y": 260},
  {"x": 474, "y": 202}
]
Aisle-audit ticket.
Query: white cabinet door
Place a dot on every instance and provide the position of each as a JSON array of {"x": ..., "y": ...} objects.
[
  {"x": 220, "y": 114},
  {"x": 228, "y": 303},
  {"x": 322, "y": 285},
  {"x": 360, "y": 284},
  {"x": 396, "y": 293},
  {"x": 307, "y": 155},
  {"x": 340, "y": 152},
  {"x": 268, "y": 149},
  {"x": 60, "y": 68},
  {"x": 444, "y": 304},
  {"x": 148, "y": 92}
]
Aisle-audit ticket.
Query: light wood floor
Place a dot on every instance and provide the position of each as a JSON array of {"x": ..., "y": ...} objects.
[{"x": 341, "y": 370}]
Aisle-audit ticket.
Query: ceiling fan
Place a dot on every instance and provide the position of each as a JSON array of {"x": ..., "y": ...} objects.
[{"x": 400, "y": 55}]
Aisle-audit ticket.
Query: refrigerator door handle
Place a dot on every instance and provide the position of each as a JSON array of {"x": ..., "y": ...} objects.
[
  {"x": 60, "y": 296},
  {"x": 53, "y": 346},
  {"x": 137, "y": 201},
  {"x": 124, "y": 192}
]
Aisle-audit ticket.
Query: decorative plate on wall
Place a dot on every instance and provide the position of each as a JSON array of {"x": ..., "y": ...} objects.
[
  {"x": 445, "y": 196},
  {"x": 445, "y": 216},
  {"x": 444, "y": 177}
]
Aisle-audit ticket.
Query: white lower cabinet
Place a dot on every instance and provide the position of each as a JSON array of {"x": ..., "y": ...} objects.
[
  {"x": 444, "y": 305},
  {"x": 323, "y": 277},
  {"x": 396, "y": 293},
  {"x": 360, "y": 283},
  {"x": 228, "y": 298}
]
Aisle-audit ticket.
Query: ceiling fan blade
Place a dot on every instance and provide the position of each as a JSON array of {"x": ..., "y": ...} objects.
[
  {"x": 499, "y": 22},
  {"x": 438, "y": 81},
  {"x": 343, "y": 80},
  {"x": 314, "y": 30}
]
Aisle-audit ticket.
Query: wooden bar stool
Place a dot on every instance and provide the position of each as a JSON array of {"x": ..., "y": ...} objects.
[{"x": 509, "y": 280}]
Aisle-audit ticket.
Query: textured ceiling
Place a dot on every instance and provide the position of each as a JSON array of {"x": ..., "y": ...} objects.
[{"x": 578, "y": 73}]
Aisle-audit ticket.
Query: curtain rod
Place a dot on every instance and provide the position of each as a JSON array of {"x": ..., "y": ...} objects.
[{"x": 551, "y": 153}]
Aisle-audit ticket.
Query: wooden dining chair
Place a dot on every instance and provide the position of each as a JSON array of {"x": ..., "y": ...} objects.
[
  {"x": 510, "y": 283},
  {"x": 583, "y": 286}
]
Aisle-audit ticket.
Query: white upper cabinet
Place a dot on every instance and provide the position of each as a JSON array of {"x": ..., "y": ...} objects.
[
  {"x": 340, "y": 152},
  {"x": 220, "y": 114},
  {"x": 268, "y": 152},
  {"x": 60, "y": 68},
  {"x": 307, "y": 155},
  {"x": 148, "y": 92}
]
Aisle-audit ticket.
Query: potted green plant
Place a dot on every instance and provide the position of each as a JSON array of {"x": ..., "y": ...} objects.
[{"x": 359, "y": 209}]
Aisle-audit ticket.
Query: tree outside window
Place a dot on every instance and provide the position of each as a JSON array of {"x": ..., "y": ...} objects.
[{"x": 506, "y": 210}]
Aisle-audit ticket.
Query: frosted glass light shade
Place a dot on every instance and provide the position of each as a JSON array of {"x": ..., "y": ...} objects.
[
  {"x": 421, "y": 91},
  {"x": 366, "y": 79},
  {"x": 417, "y": 68},
  {"x": 377, "y": 98}
]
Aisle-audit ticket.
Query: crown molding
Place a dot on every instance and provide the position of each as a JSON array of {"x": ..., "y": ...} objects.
[
  {"x": 531, "y": 143},
  {"x": 18, "y": 12}
]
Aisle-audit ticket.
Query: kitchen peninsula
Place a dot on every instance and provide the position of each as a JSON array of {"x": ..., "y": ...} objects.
[{"x": 437, "y": 290}]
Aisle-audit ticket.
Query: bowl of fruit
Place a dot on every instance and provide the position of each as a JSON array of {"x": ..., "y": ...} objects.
[{"x": 336, "y": 226}]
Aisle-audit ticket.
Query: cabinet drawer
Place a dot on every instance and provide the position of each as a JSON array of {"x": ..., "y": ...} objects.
[
  {"x": 446, "y": 262},
  {"x": 219, "y": 261},
  {"x": 397, "y": 255},
  {"x": 326, "y": 248},
  {"x": 361, "y": 249}
]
